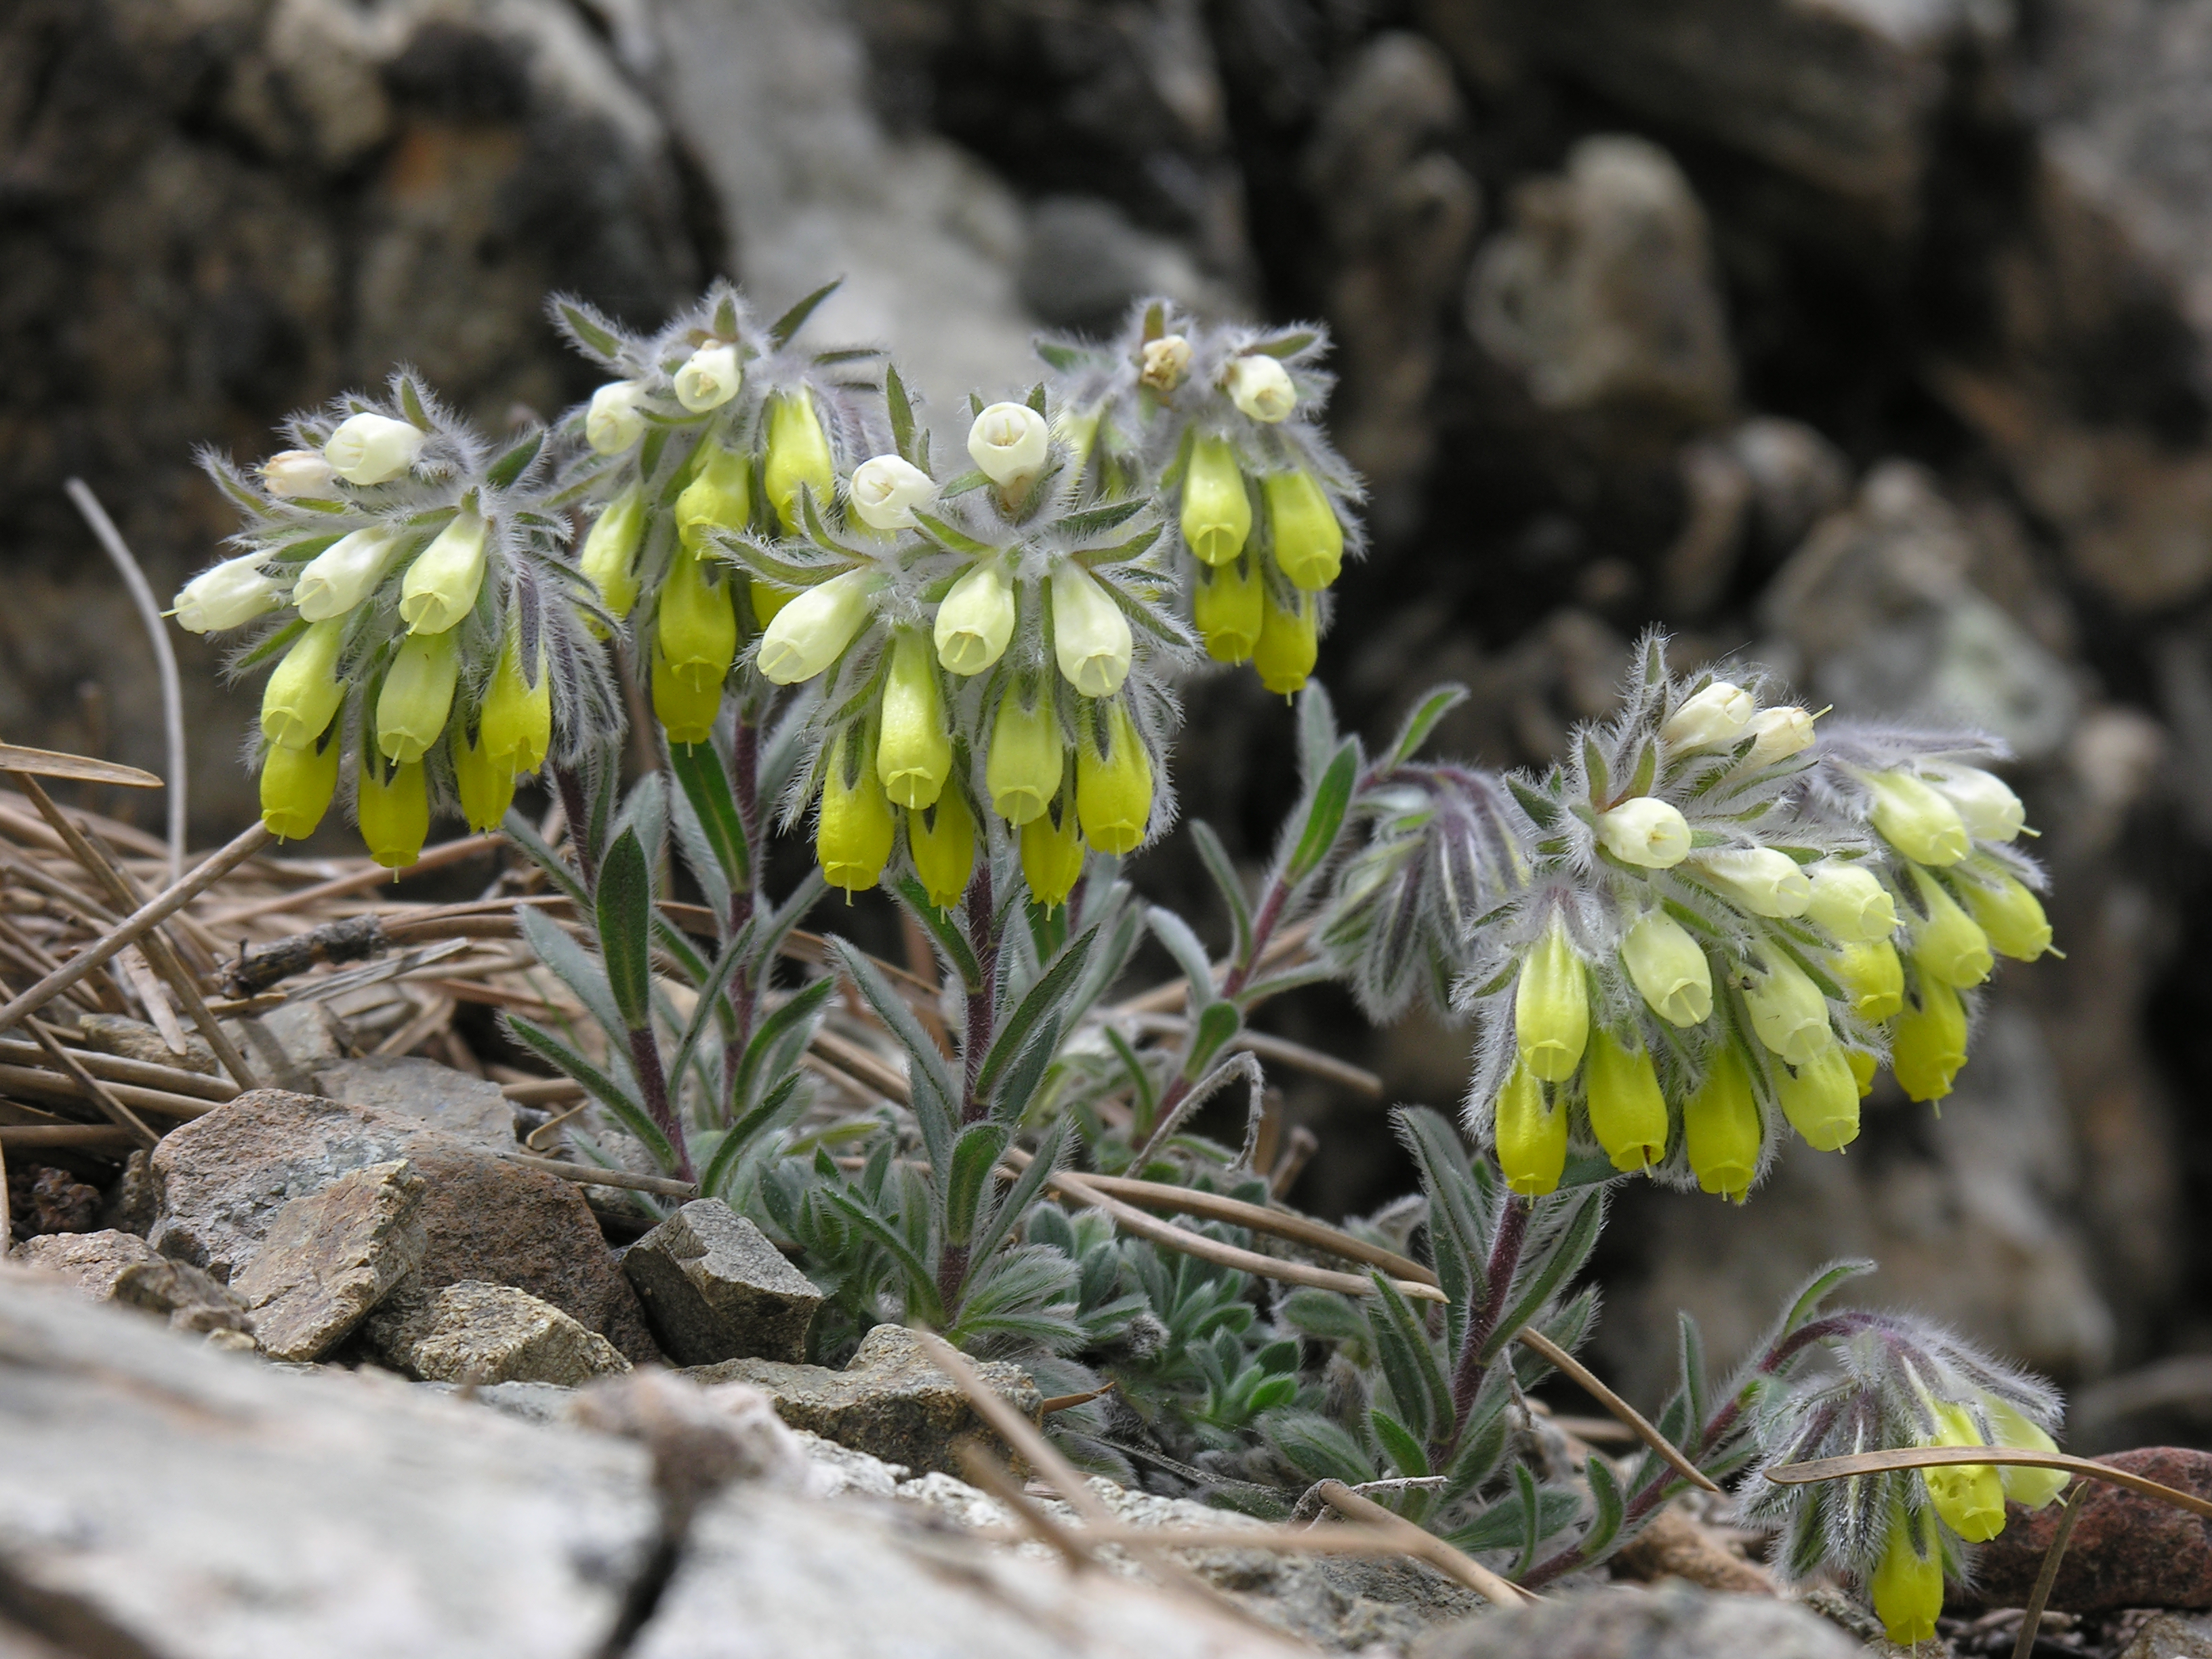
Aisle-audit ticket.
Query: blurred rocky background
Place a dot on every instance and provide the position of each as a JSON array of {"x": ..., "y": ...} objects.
[{"x": 1868, "y": 336}]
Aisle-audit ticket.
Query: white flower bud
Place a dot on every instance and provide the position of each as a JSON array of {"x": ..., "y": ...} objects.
[
  {"x": 373, "y": 449},
  {"x": 292, "y": 473},
  {"x": 614, "y": 422},
  {"x": 1789, "y": 1013},
  {"x": 1850, "y": 903},
  {"x": 1260, "y": 388},
  {"x": 976, "y": 620},
  {"x": 1646, "y": 832},
  {"x": 1008, "y": 443},
  {"x": 813, "y": 629},
  {"x": 234, "y": 592},
  {"x": 1761, "y": 880},
  {"x": 1090, "y": 637},
  {"x": 709, "y": 378},
  {"x": 344, "y": 573},
  {"x": 1776, "y": 735},
  {"x": 440, "y": 586},
  {"x": 1985, "y": 801},
  {"x": 1716, "y": 715},
  {"x": 887, "y": 488},
  {"x": 1669, "y": 971},
  {"x": 1164, "y": 362}
]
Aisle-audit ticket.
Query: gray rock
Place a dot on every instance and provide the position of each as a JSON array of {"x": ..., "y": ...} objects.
[
  {"x": 288, "y": 1045},
  {"x": 470, "y": 1108},
  {"x": 1675, "y": 1621},
  {"x": 889, "y": 1401},
  {"x": 526, "y": 1402},
  {"x": 329, "y": 1258},
  {"x": 91, "y": 1261},
  {"x": 122, "y": 1268},
  {"x": 715, "y": 1288},
  {"x": 134, "y": 1039},
  {"x": 1086, "y": 264},
  {"x": 476, "y": 1333},
  {"x": 2171, "y": 1635},
  {"x": 132, "y": 1203}
]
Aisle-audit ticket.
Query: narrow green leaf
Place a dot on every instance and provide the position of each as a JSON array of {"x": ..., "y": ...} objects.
[
  {"x": 1541, "y": 809},
  {"x": 797, "y": 1015},
  {"x": 1172, "y": 930},
  {"x": 1819, "y": 1288},
  {"x": 951, "y": 539},
  {"x": 1532, "y": 1513},
  {"x": 975, "y": 1153},
  {"x": 936, "y": 1101},
  {"x": 901, "y": 409},
  {"x": 604, "y": 1089},
  {"x": 945, "y": 931},
  {"x": 1400, "y": 1444},
  {"x": 1561, "y": 1262},
  {"x": 1021, "y": 1196},
  {"x": 784, "y": 328},
  {"x": 705, "y": 1010},
  {"x": 1429, "y": 1413},
  {"x": 1423, "y": 720},
  {"x": 1318, "y": 1449},
  {"x": 507, "y": 468},
  {"x": 922, "y": 1285},
  {"x": 623, "y": 908},
  {"x": 1223, "y": 872},
  {"x": 1216, "y": 1025},
  {"x": 1605, "y": 1524},
  {"x": 1041, "y": 999},
  {"x": 575, "y": 968},
  {"x": 588, "y": 332},
  {"x": 706, "y": 784},
  {"x": 715, "y": 1181},
  {"x": 1332, "y": 798}
]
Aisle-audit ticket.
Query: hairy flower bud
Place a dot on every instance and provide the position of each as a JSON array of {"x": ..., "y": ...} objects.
[
  {"x": 914, "y": 751},
  {"x": 1984, "y": 802},
  {"x": 710, "y": 377},
  {"x": 296, "y": 787},
  {"x": 1917, "y": 819},
  {"x": 852, "y": 836},
  {"x": 941, "y": 840},
  {"x": 1289, "y": 642},
  {"x": 1226, "y": 607},
  {"x": 696, "y": 625},
  {"x": 1946, "y": 943},
  {"x": 2023, "y": 1483},
  {"x": 1531, "y": 1136},
  {"x": 485, "y": 782},
  {"x": 1788, "y": 1012},
  {"x": 234, "y": 592},
  {"x": 440, "y": 586},
  {"x": 1307, "y": 540},
  {"x": 1821, "y": 1100},
  {"x": 1023, "y": 771},
  {"x": 1645, "y": 832},
  {"x": 798, "y": 453},
  {"x": 718, "y": 497},
  {"x": 1162, "y": 363},
  {"x": 344, "y": 573},
  {"x": 293, "y": 474},
  {"x": 1716, "y": 715},
  {"x": 1551, "y": 1007},
  {"x": 1850, "y": 901},
  {"x": 615, "y": 420},
  {"x": 1627, "y": 1113},
  {"x": 976, "y": 619},
  {"x": 417, "y": 695},
  {"x": 1777, "y": 734},
  {"x": 1008, "y": 443},
  {"x": 1969, "y": 1497},
  {"x": 610, "y": 558},
  {"x": 1758, "y": 880},
  {"x": 812, "y": 630},
  {"x": 373, "y": 449},
  {"x": 887, "y": 488},
  {"x": 686, "y": 705},
  {"x": 1668, "y": 970},
  {"x": 303, "y": 693},
  {"x": 394, "y": 811},
  {"x": 767, "y": 602},
  {"x": 1052, "y": 856},
  {"x": 1114, "y": 790},
  {"x": 1928, "y": 1044},
  {"x": 515, "y": 724},
  {"x": 2010, "y": 915},
  {"x": 1907, "y": 1587},
  {"x": 1872, "y": 977},
  {"x": 1260, "y": 387},
  {"x": 1090, "y": 636},
  {"x": 1216, "y": 510},
  {"x": 1721, "y": 1129}
]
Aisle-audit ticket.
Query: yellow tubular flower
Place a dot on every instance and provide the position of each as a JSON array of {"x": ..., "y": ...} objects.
[
  {"x": 1850, "y": 902},
  {"x": 1985, "y": 802},
  {"x": 1091, "y": 637},
  {"x": 1551, "y": 1007},
  {"x": 610, "y": 558},
  {"x": 516, "y": 722},
  {"x": 1864, "y": 1067},
  {"x": 2011, "y": 916},
  {"x": 1113, "y": 791},
  {"x": 1777, "y": 734},
  {"x": 812, "y": 629},
  {"x": 1022, "y": 770},
  {"x": 686, "y": 709},
  {"x": 2022, "y": 1483},
  {"x": 798, "y": 453},
  {"x": 1721, "y": 1129},
  {"x": 1308, "y": 541},
  {"x": 1715, "y": 715},
  {"x": 914, "y": 753},
  {"x": 1052, "y": 856},
  {"x": 1788, "y": 1012},
  {"x": 1217, "y": 512},
  {"x": 1531, "y": 1136},
  {"x": 394, "y": 812},
  {"x": 1907, "y": 1587},
  {"x": 1947, "y": 943},
  {"x": 852, "y": 836},
  {"x": 1917, "y": 819},
  {"x": 1928, "y": 1043},
  {"x": 1758, "y": 880},
  {"x": 1668, "y": 970},
  {"x": 417, "y": 695},
  {"x": 345, "y": 573},
  {"x": 1821, "y": 1099},
  {"x": 1968, "y": 1496},
  {"x": 718, "y": 497},
  {"x": 1872, "y": 977},
  {"x": 941, "y": 840},
  {"x": 1288, "y": 643},
  {"x": 767, "y": 601},
  {"x": 440, "y": 586},
  {"x": 303, "y": 694},
  {"x": 976, "y": 619},
  {"x": 696, "y": 625},
  {"x": 1225, "y": 607},
  {"x": 1646, "y": 832},
  {"x": 486, "y": 782},
  {"x": 296, "y": 787},
  {"x": 1627, "y": 1113}
]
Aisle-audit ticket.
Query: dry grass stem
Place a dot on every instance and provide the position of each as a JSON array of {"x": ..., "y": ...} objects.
[
  {"x": 1630, "y": 1417},
  {"x": 1933, "y": 1457},
  {"x": 1455, "y": 1565}
]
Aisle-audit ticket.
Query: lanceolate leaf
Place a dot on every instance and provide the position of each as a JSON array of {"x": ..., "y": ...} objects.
[
  {"x": 574, "y": 968},
  {"x": 1231, "y": 886},
  {"x": 1015, "y": 1203},
  {"x": 709, "y": 1006},
  {"x": 1566, "y": 1259},
  {"x": 946, "y": 932},
  {"x": 936, "y": 1101},
  {"x": 624, "y": 912},
  {"x": 1423, "y": 720},
  {"x": 604, "y": 1090},
  {"x": 714, "y": 1181},
  {"x": 786, "y": 327},
  {"x": 1172, "y": 930},
  {"x": 1332, "y": 798},
  {"x": 1043, "y": 999},
  {"x": 706, "y": 783},
  {"x": 797, "y": 1015},
  {"x": 975, "y": 1155}
]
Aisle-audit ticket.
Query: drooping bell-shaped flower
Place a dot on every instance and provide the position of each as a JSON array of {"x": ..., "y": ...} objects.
[
  {"x": 710, "y": 377},
  {"x": 417, "y": 695},
  {"x": 686, "y": 705},
  {"x": 1008, "y": 443},
  {"x": 1985, "y": 802},
  {"x": 373, "y": 449},
  {"x": 718, "y": 497},
  {"x": 1820, "y": 1099},
  {"x": 1628, "y": 1112},
  {"x": 1969, "y": 1497},
  {"x": 852, "y": 836},
  {"x": 1024, "y": 768},
  {"x": 1850, "y": 901},
  {"x": 484, "y": 781},
  {"x": 233, "y": 593},
  {"x": 695, "y": 627},
  {"x": 1788, "y": 1012},
  {"x": 296, "y": 787},
  {"x": 1307, "y": 540},
  {"x": 2010, "y": 915},
  {"x": 1052, "y": 856},
  {"x": 1227, "y": 603},
  {"x": 886, "y": 490},
  {"x": 1928, "y": 1044},
  {"x": 914, "y": 750},
  {"x": 1114, "y": 790},
  {"x": 393, "y": 804},
  {"x": 1091, "y": 637},
  {"x": 1716, "y": 715},
  {"x": 811, "y": 631},
  {"x": 1907, "y": 1587},
  {"x": 1289, "y": 641},
  {"x": 1776, "y": 734},
  {"x": 1872, "y": 977},
  {"x": 2023, "y": 1483},
  {"x": 1720, "y": 1128},
  {"x": 303, "y": 693},
  {"x": 1945, "y": 941},
  {"x": 515, "y": 724},
  {"x": 345, "y": 573},
  {"x": 1668, "y": 970},
  {"x": 1531, "y": 1136},
  {"x": 610, "y": 556},
  {"x": 798, "y": 453},
  {"x": 440, "y": 586},
  {"x": 976, "y": 619},
  {"x": 1917, "y": 819},
  {"x": 297, "y": 474},
  {"x": 1217, "y": 511},
  {"x": 1758, "y": 880},
  {"x": 941, "y": 840},
  {"x": 1645, "y": 832},
  {"x": 615, "y": 420},
  {"x": 1551, "y": 1007},
  {"x": 1260, "y": 387}
]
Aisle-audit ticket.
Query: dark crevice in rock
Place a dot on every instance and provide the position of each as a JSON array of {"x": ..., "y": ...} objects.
[{"x": 71, "y": 1625}]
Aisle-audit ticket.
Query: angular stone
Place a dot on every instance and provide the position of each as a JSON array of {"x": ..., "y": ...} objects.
[
  {"x": 286, "y": 1045},
  {"x": 1675, "y": 1621},
  {"x": 2127, "y": 1551},
  {"x": 470, "y": 1108},
  {"x": 330, "y": 1258},
  {"x": 890, "y": 1401},
  {"x": 91, "y": 1261},
  {"x": 714, "y": 1288},
  {"x": 134, "y": 1039},
  {"x": 132, "y": 1203},
  {"x": 473, "y": 1332},
  {"x": 122, "y": 1268}
]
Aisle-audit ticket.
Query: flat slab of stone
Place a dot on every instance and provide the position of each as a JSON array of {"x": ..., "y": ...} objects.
[
  {"x": 124, "y": 1269},
  {"x": 330, "y": 1257},
  {"x": 288, "y": 1045},
  {"x": 470, "y": 1108},
  {"x": 890, "y": 1401},
  {"x": 714, "y": 1288},
  {"x": 1675, "y": 1621},
  {"x": 92, "y": 1262},
  {"x": 476, "y": 1333}
]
